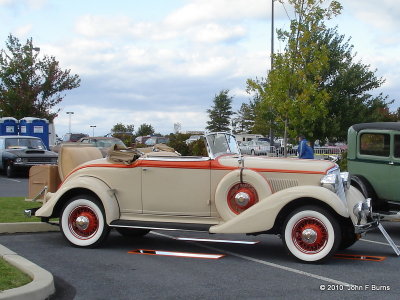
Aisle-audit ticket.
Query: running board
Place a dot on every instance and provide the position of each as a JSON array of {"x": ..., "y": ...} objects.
[{"x": 161, "y": 225}]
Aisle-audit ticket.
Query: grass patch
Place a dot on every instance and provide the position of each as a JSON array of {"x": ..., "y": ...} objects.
[
  {"x": 12, "y": 210},
  {"x": 11, "y": 277}
]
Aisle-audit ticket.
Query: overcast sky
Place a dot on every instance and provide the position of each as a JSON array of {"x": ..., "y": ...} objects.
[{"x": 162, "y": 62}]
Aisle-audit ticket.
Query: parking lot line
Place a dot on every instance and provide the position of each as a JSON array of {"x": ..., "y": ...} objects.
[
  {"x": 217, "y": 241},
  {"x": 178, "y": 254},
  {"x": 270, "y": 264},
  {"x": 375, "y": 242}
]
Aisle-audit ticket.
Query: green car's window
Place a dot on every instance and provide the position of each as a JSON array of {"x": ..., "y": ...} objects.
[
  {"x": 397, "y": 145},
  {"x": 376, "y": 144}
]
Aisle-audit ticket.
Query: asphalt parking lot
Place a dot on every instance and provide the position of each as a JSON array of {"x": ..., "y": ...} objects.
[
  {"x": 258, "y": 271},
  {"x": 13, "y": 187}
]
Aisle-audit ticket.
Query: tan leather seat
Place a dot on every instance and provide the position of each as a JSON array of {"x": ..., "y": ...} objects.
[{"x": 71, "y": 156}]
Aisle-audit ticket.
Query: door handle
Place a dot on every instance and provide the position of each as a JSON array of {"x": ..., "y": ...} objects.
[{"x": 144, "y": 169}]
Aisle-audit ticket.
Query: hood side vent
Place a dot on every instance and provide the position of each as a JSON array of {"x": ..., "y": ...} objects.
[{"x": 281, "y": 184}]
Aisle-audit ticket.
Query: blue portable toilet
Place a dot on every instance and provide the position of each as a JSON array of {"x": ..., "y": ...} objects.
[
  {"x": 8, "y": 126},
  {"x": 35, "y": 127}
]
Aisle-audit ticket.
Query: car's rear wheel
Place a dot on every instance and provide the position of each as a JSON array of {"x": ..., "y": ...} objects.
[
  {"x": 83, "y": 222},
  {"x": 311, "y": 234},
  {"x": 253, "y": 152},
  {"x": 132, "y": 232}
]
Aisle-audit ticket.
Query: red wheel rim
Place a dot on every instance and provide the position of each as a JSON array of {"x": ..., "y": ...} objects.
[
  {"x": 83, "y": 222},
  {"x": 310, "y": 235},
  {"x": 246, "y": 189}
]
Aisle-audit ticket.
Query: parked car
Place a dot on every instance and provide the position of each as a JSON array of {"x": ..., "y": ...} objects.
[
  {"x": 21, "y": 152},
  {"x": 309, "y": 203},
  {"x": 103, "y": 143},
  {"x": 156, "y": 140},
  {"x": 255, "y": 147},
  {"x": 373, "y": 159},
  {"x": 73, "y": 137}
]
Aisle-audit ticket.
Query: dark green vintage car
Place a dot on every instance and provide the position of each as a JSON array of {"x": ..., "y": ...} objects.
[{"x": 374, "y": 162}]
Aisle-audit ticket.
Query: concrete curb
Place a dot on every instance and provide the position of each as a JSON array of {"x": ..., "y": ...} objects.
[
  {"x": 42, "y": 285},
  {"x": 27, "y": 227}
]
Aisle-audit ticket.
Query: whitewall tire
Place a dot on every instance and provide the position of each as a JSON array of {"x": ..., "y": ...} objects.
[
  {"x": 83, "y": 222},
  {"x": 311, "y": 234}
]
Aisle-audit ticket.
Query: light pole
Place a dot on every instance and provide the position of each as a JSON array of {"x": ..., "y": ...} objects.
[
  {"x": 69, "y": 113},
  {"x": 93, "y": 126}
]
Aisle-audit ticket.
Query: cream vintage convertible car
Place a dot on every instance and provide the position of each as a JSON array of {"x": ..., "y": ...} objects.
[{"x": 308, "y": 202}]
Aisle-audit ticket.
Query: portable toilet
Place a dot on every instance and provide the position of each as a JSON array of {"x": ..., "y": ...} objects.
[
  {"x": 8, "y": 126},
  {"x": 35, "y": 127}
]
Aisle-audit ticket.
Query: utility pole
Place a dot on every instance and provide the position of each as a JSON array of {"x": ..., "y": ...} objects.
[{"x": 271, "y": 133}]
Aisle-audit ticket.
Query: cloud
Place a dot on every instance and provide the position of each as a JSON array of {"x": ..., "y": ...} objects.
[
  {"x": 27, "y": 4},
  {"x": 199, "y": 11}
]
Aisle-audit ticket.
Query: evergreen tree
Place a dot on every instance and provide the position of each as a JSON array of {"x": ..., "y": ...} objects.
[{"x": 220, "y": 113}]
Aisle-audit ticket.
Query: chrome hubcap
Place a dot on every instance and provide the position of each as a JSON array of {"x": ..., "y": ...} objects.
[
  {"x": 242, "y": 199},
  {"x": 82, "y": 222},
  {"x": 309, "y": 236}
]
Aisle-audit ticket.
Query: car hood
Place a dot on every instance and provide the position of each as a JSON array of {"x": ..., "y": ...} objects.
[
  {"x": 278, "y": 164},
  {"x": 31, "y": 152}
]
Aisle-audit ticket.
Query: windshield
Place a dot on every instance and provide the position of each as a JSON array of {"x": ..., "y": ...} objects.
[
  {"x": 221, "y": 143},
  {"x": 106, "y": 143},
  {"x": 24, "y": 143}
]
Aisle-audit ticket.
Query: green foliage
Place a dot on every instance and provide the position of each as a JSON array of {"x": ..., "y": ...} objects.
[
  {"x": 30, "y": 86},
  {"x": 220, "y": 113},
  {"x": 315, "y": 85},
  {"x": 124, "y": 133},
  {"x": 145, "y": 129},
  {"x": 11, "y": 277},
  {"x": 177, "y": 141},
  {"x": 198, "y": 148},
  {"x": 349, "y": 84}
]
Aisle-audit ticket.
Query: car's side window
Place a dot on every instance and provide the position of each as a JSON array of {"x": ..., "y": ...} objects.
[
  {"x": 377, "y": 144},
  {"x": 397, "y": 145}
]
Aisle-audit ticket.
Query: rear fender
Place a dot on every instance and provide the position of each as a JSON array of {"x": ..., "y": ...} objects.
[
  {"x": 261, "y": 216},
  {"x": 105, "y": 194}
]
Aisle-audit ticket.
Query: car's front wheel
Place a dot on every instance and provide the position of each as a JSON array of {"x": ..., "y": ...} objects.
[
  {"x": 311, "y": 234},
  {"x": 10, "y": 170},
  {"x": 83, "y": 222}
]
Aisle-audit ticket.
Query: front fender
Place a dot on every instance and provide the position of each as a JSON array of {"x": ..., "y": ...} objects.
[
  {"x": 261, "y": 216},
  {"x": 105, "y": 194}
]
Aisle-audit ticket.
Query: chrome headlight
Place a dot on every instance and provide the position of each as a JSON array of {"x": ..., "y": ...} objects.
[
  {"x": 18, "y": 160},
  {"x": 363, "y": 210},
  {"x": 346, "y": 179},
  {"x": 329, "y": 181}
]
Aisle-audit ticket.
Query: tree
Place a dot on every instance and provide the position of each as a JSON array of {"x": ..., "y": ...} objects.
[
  {"x": 145, "y": 129},
  {"x": 220, "y": 113},
  {"x": 123, "y": 132},
  {"x": 316, "y": 87},
  {"x": 349, "y": 84},
  {"x": 30, "y": 86},
  {"x": 293, "y": 92}
]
